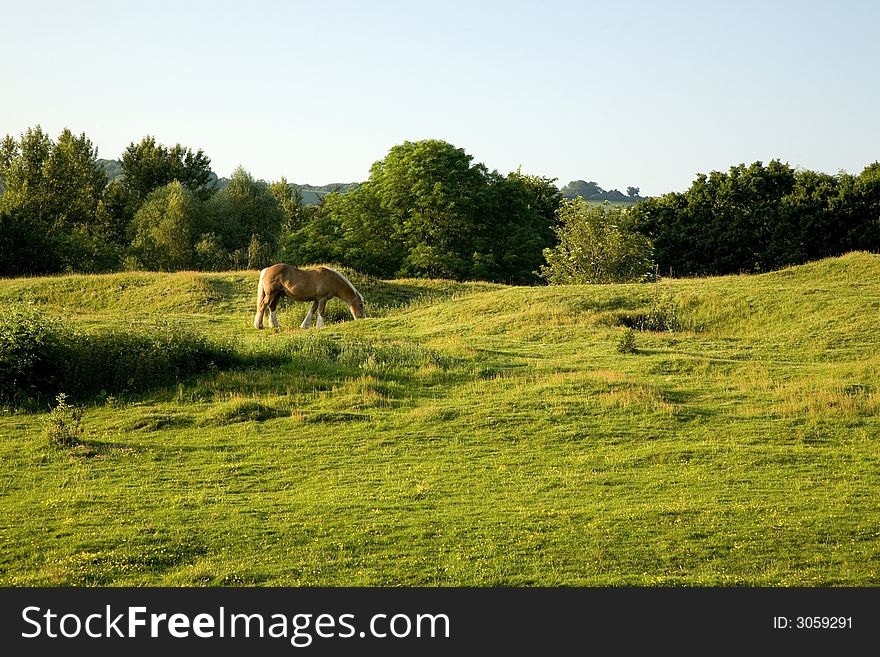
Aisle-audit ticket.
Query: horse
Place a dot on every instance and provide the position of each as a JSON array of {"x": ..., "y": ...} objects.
[{"x": 317, "y": 285}]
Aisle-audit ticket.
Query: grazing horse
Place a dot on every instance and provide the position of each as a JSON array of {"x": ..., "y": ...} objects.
[{"x": 316, "y": 285}]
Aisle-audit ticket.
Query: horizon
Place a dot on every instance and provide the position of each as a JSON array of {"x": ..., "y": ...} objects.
[
  {"x": 631, "y": 95},
  {"x": 339, "y": 182}
]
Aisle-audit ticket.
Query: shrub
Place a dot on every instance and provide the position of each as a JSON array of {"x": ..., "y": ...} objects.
[
  {"x": 64, "y": 427},
  {"x": 662, "y": 317},
  {"x": 596, "y": 245},
  {"x": 41, "y": 356},
  {"x": 137, "y": 359},
  {"x": 27, "y": 342},
  {"x": 627, "y": 342}
]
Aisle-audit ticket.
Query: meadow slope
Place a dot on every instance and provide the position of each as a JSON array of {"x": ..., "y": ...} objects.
[{"x": 468, "y": 435}]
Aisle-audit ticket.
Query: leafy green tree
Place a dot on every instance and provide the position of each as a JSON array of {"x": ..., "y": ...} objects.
[
  {"x": 808, "y": 224},
  {"x": 596, "y": 244},
  {"x": 427, "y": 210},
  {"x": 53, "y": 189},
  {"x": 586, "y": 190},
  {"x": 319, "y": 239},
  {"x": 25, "y": 248},
  {"x": 259, "y": 253},
  {"x": 520, "y": 216},
  {"x": 74, "y": 180},
  {"x": 112, "y": 215},
  {"x": 148, "y": 165},
  {"x": 210, "y": 254},
  {"x": 430, "y": 192},
  {"x": 860, "y": 203},
  {"x": 165, "y": 229},
  {"x": 22, "y": 168},
  {"x": 369, "y": 242},
  {"x": 290, "y": 200},
  {"x": 243, "y": 211},
  {"x": 58, "y": 183},
  {"x": 725, "y": 223}
]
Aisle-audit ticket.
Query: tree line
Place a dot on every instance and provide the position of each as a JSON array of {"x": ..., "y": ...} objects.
[
  {"x": 750, "y": 219},
  {"x": 59, "y": 213},
  {"x": 759, "y": 218},
  {"x": 426, "y": 210}
]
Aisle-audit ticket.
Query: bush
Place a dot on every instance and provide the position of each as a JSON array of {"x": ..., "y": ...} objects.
[
  {"x": 64, "y": 427},
  {"x": 41, "y": 356},
  {"x": 627, "y": 342},
  {"x": 662, "y": 317},
  {"x": 27, "y": 344},
  {"x": 596, "y": 245},
  {"x": 135, "y": 360}
]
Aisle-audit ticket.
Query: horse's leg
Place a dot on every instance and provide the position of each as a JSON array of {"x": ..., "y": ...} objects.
[
  {"x": 307, "y": 322},
  {"x": 273, "y": 304},
  {"x": 321, "y": 305}
]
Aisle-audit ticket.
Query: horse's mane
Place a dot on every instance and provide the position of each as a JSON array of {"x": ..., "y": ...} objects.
[{"x": 347, "y": 282}]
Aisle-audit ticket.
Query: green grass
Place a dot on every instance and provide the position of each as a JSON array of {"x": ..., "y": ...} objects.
[{"x": 468, "y": 434}]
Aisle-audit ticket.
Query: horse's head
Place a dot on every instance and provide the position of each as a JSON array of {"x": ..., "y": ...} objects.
[
  {"x": 343, "y": 289},
  {"x": 357, "y": 307}
]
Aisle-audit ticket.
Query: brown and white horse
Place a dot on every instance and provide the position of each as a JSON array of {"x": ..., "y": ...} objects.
[{"x": 316, "y": 285}]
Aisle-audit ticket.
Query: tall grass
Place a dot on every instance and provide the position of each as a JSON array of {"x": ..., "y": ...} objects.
[{"x": 41, "y": 357}]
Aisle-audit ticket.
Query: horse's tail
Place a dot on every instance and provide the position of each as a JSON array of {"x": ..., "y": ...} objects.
[
  {"x": 261, "y": 301},
  {"x": 261, "y": 292}
]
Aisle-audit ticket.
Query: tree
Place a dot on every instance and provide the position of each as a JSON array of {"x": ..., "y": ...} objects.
[
  {"x": 586, "y": 190},
  {"x": 165, "y": 229},
  {"x": 147, "y": 166},
  {"x": 430, "y": 191},
  {"x": 862, "y": 202},
  {"x": 427, "y": 210},
  {"x": 112, "y": 215},
  {"x": 596, "y": 244},
  {"x": 52, "y": 189},
  {"x": 25, "y": 248},
  {"x": 290, "y": 200},
  {"x": 241, "y": 212},
  {"x": 632, "y": 192},
  {"x": 58, "y": 183},
  {"x": 75, "y": 181},
  {"x": 21, "y": 169},
  {"x": 318, "y": 240},
  {"x": 726, "y": 223},
  {"x": 520, "y": 213}
]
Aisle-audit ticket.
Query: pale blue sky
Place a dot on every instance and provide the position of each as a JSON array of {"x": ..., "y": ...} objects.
[{"x": 623, "y": 93}]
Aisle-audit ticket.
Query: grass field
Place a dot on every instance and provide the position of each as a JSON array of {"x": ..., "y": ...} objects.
[{"x": 467, "y": 434}]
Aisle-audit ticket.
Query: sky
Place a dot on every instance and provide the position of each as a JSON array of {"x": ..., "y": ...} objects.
[{"x": 623, "y": 93}]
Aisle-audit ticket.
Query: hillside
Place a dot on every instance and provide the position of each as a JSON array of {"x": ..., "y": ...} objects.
[
  {"x": 468, "y": 435},
  {"x": 311, "y": 194}
]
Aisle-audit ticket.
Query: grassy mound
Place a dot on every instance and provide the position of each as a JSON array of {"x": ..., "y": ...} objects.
[{"x": 470, "y": 434}]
